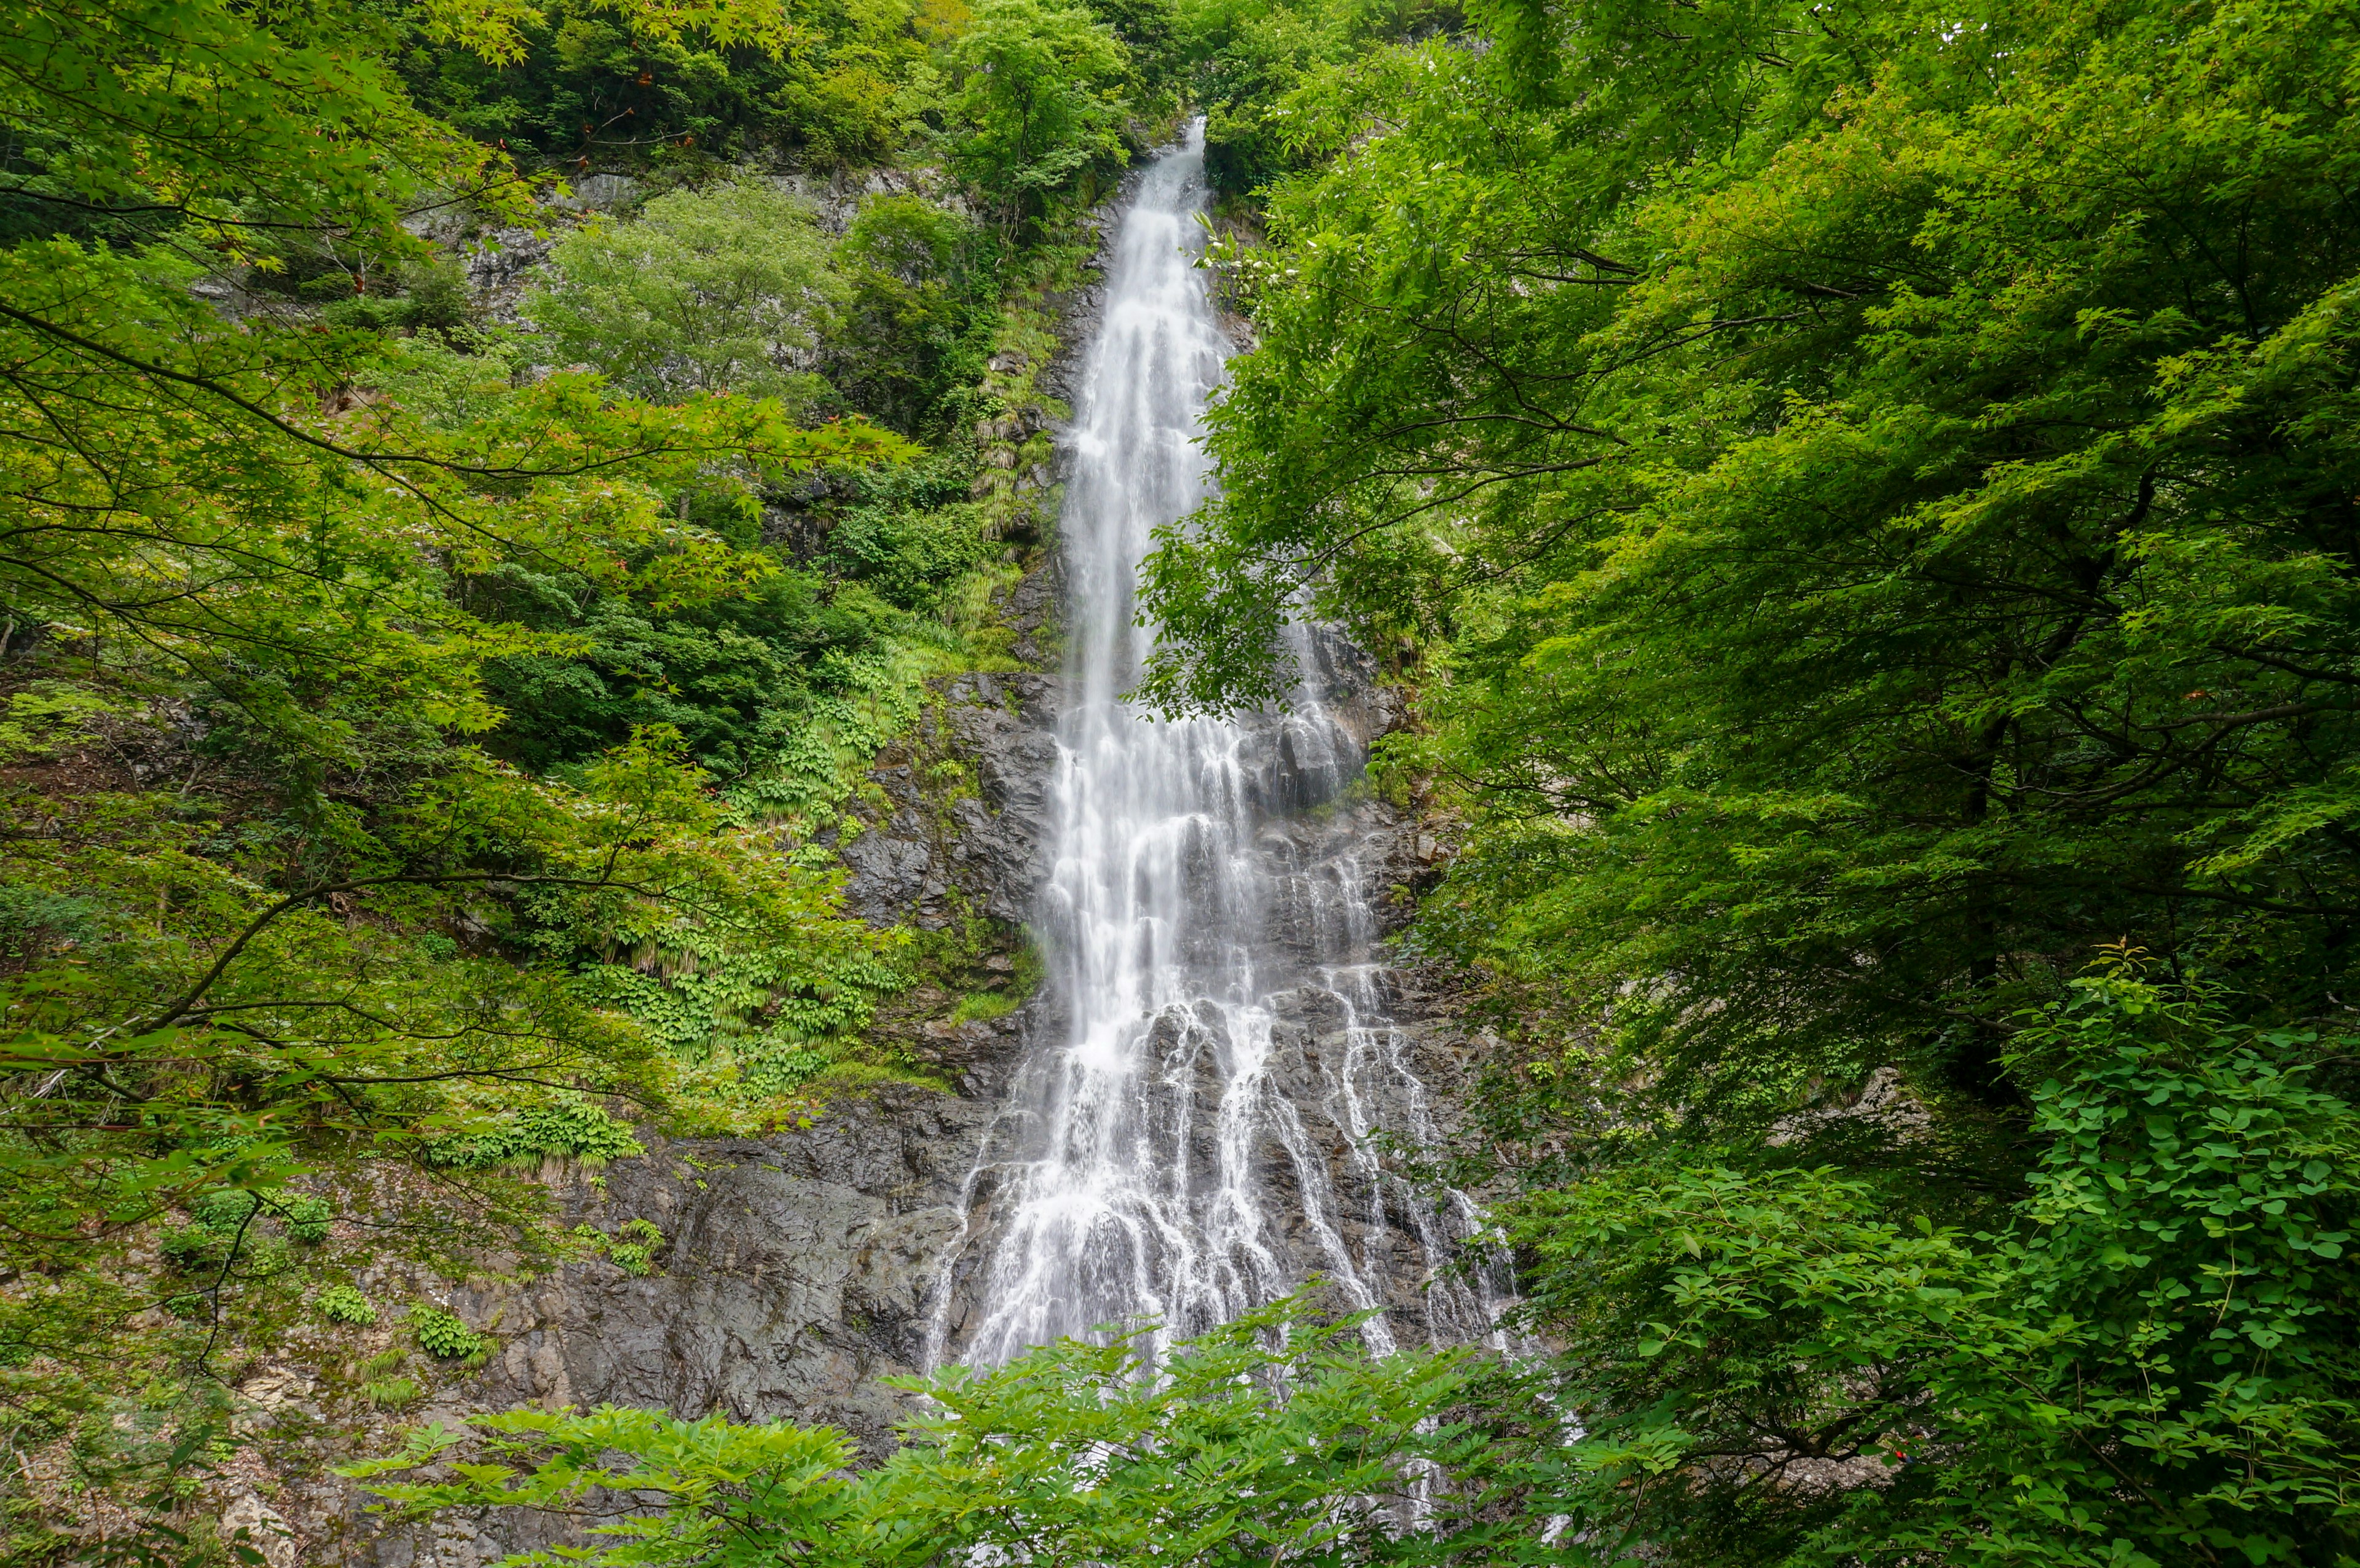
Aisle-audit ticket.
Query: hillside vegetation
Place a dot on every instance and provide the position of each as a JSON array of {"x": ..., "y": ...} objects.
[{"x": 1862, "y": 500}]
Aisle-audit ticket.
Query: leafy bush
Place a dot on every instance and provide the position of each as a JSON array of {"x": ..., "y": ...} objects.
[
  {"x": 2157, "y": 1353},
  {"x": 979, "y": 1006},
  {"x": 345, "y": 1304},
  {"x": 193, "y": 1247},
  {"x": 218, "y": 1219},
  {"x": 434, "y": 296},
  {"x": 443, "y": 1333},
  {"x": 1237, "y": 1453},
  {"x": 225, "y": 1209},
  {"x": 917, "y": 318},
  {"x": 48, "y": 717},
  {"x": 221, "y": 1217},
  {"x": 305, "y": 1218},
  {"x": 1040, "y": 85},
  {"x": 908, "y": 557},
  {"x": 632, "y": 1248},
  {"x": 735, "y": 677},
  {"x": 36, "y": 922},
  {"x": 571, "y": 1128},
  {"x": 718, "y": 290},
  {"x": 686, "y": 99}
]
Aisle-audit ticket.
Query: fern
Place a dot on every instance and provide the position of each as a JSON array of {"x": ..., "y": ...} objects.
[{"x": 392, "y": 1393}]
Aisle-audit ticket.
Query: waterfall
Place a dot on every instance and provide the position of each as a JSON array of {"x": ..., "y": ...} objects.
[{"x": 1186, "y": 1137}]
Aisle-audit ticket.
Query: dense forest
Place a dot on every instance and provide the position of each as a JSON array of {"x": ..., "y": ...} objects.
[{"x": 1861, "y": 504}]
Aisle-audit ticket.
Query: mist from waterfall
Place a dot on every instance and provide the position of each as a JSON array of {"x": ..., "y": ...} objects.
[{"x": 1190, "y": 1138}]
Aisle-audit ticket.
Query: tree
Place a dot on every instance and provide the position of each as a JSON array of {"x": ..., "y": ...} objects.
[
  {"x": 2148, "y": 1358},
  {"x": 1276, "y": 1439},
  {"x": 1862, "y": 499},
  {"x": 275, "y": 908},
  {"x": 1040, "y": 85},
  {"x": 1874, "y": 505},
  {"x": 726, "y": 290},
  {"x": 912, "y": 329}
]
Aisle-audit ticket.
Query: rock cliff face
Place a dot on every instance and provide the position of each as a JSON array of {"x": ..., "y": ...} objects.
[
  {"x": 799, "y": 1269},
  {"x": 928, "y": 853}
]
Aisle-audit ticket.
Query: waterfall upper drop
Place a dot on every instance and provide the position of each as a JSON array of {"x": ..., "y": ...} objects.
[{"x": 1187, "y": 1135}]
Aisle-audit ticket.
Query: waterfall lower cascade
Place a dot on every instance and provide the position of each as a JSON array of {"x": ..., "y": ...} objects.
[{"x": 1187, "y": 1137}]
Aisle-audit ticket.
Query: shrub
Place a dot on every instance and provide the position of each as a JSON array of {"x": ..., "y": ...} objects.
[
  {"x": 632, "y": 1249},
  {"x": 196, "y": 1246},
  {"x": 705, "y": 291},
  {"x": 344, "y": 1304},
  {"x": 442, "y": 1334},
  {"x": 636, "y": 1256},
  {"x": 225, "y": 1210},
  {"x": 916, "y": 325},
  {"x": 981, "y": 1007},
  {"x": 220, "y": 1219},
  {"x": 305, "y": 1219},
  {"x": 573, "y": 1128},
  {"x": 217, "y": 1219}
]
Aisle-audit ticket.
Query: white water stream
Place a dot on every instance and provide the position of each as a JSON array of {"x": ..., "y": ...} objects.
[{"x": 1189, "y": 1140}]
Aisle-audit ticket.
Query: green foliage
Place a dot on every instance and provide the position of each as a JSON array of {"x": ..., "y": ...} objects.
[
  {"x": 228, "y": 1218},
  {"x": 632, "y": 1248},
  {"x": 443, "y": 1334},
  {"x": 981, "y": 1005},
  {"x": 392, "y": 1393},
  {"x": 1246, "y": 58},
  {"x": 1843, "y": 648},
  {"x": 1273, "y": 1439},
  {"x": 1040, "y": 87},
  {"x": 196, "y": 1247},
  {"x": 563, "y": 1129},
  {"x": 777, "y": 692},
  {"x": 1863, "y": 496},
  {"x": 723, "y": 289},
  {"x": 305, "y": 1219},
  {"x": 411, "y": 746},
  {"x": 913, "y": 327},
  {"x": 589, "y": 87},
  {"x": 345, "y": 1304},
  {"x": 1148, "y": 31},
  {"x": 2151, "y": 1355},
  {"x": 271, "y": 907},
  {"x": 783, "y": 687},
  {"x": 48, "y": 717},
  {"x": 907, "y": 557}
]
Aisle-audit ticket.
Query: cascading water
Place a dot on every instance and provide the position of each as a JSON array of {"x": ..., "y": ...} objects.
[{"x": 1190, "y": 1138}]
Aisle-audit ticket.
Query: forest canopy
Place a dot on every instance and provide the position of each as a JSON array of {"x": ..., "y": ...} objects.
[{"x": 1864, "y": 499}]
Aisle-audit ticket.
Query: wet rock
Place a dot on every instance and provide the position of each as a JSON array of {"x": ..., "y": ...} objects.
[
  {"x": 796, "y": 1271},
  {"x": 990, "y": 847}
]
